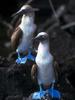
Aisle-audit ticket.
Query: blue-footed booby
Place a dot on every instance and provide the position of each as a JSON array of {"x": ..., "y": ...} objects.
[
  {"x": 44, "y": 70},
  {"x": 21, "y": 39}
]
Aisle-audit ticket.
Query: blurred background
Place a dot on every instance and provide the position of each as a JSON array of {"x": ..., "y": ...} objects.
[{"x": 57, "y": 18}]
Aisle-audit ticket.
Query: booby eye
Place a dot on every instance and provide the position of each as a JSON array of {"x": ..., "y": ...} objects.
[{"x": 44, "y": 37}]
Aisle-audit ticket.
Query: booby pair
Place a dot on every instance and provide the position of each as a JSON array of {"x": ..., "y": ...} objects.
[{"x": 21, "y": 39}]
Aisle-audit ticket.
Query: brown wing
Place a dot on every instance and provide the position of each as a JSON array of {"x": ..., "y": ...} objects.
[
  {"x": 16, "y": 38},
  {"x": 34, "y": 72},
  {"x": 14, "y": 23}
]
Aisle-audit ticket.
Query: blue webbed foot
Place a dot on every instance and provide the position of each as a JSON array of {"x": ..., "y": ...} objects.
[
  {"x": 54, "y": 93},
  {"x": 21, "y": 60},
  {"x": 31, "y": 57},
  {"x": 38, "y": 95}
]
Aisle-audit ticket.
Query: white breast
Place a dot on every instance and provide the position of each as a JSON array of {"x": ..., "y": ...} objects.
[
  {"x": 46, "y": 74},
  {"x": 28, "y": 28}
]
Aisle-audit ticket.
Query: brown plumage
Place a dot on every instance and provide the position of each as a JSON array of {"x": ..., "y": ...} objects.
[
  {"x": 14, "y": 23},
  {"x": 34, "y": 72},
  {"x": 16, "y": 38}
]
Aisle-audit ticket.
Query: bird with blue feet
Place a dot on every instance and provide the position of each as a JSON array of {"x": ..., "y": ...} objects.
[
  {"x": 21, "y": 38},
  {"x": 43, "y": 71}
]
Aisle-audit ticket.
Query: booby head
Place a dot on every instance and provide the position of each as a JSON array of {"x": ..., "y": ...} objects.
[
  {"x": 42, "y": 37},
  {"x": 25, "y": 10}
]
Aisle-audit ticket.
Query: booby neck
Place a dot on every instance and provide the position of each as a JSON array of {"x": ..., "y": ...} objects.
[
  {"x": 43, "y": 48},
  {"x": 26, "y": 21}
]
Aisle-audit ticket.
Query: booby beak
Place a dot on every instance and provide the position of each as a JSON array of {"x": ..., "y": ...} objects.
[
  {"x": 36, "y": 38},
  {"x": 24, "y": 11},
  {"x": 17, "y": 13}
]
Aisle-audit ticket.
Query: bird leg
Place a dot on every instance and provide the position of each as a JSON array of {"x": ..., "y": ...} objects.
[
  {"x": 21, "y": 60},
  {"x": 30, "y": 56}
]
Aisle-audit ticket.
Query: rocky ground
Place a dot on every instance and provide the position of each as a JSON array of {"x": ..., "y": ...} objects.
[{"x": 16, "y": 82}]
